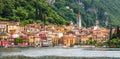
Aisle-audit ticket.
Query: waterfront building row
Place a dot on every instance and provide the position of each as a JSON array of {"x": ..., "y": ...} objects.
[{"x": 50, "y": 35}]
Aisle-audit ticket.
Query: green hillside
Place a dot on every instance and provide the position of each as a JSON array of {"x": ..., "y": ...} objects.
[
  {"x": 29, "y": 11},
  {"x": 91, "y": 10},
  {"x": 61, "y": 12}
]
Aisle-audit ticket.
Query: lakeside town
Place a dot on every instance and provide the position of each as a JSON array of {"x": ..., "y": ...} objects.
[
  {"x": 12, "y": 34},
  {"x": 59, "y": 29}
]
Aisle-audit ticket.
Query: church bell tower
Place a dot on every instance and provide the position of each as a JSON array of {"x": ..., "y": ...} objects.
[{"x": 79, "y": 24}]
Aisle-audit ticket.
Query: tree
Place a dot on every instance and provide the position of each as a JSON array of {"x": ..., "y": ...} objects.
[
  {"x": 91, "y": 42},
  {"x": 22, "y": 13},
  {"x": 15, "y": 10},
  {"x": 7, "y": 11},
  {"x": 115, "y": 43},
  {"x": 28, "y": 11},
  {"x": 19, "y": 40},
  {"x": 1, "y": 6}
]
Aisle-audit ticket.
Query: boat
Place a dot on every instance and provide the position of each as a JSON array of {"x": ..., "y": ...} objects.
[
  {"x": 76, "y": 46},
  {"x": 65, "y": 46}
]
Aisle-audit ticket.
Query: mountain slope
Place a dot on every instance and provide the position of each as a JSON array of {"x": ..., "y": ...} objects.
[
  {"x": 29, "y": 11},
  {"x": 61, "y": 11},
  {"x": 106, "y": 11}
]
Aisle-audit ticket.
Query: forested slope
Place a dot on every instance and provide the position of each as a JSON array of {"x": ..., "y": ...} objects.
[
  {"x": 61, "y": 11},
  {"x": 29, "y": 11},
  {"x": 106, "y": 11}
]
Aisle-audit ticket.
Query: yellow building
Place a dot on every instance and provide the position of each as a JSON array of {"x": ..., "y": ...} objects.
[
  {"x": 69, "y": 40},
  {"x": 3, "y": 26},
  {"x": 31, "y": 38}
]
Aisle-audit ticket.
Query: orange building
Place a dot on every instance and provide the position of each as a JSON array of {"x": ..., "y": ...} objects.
[
  {"x": 69, "y": 40},
  {"x": 55, "y": 40}
]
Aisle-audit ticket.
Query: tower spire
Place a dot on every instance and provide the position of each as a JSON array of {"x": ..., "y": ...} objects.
[
  {"x": 97, "y": 22},
  {"x": 79, "y": 20}
]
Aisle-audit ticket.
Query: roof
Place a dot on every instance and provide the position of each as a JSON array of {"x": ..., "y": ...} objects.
[{"x": 3, "y": 22}]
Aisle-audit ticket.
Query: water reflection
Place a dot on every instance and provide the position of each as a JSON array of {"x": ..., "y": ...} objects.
[{"x": 71, "y": 52}]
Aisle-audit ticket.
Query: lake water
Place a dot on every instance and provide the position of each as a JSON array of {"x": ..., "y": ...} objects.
[{"x": 65, "y": 52}]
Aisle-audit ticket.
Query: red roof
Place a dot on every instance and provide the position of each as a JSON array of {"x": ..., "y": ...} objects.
[{"x": 43, "y": 36}]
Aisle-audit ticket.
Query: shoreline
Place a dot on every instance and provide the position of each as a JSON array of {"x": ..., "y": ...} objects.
[
  {"x": 61, "y": 52},
  {"x": 18, "y": 49},
  {"x": 54, "y": 57}
]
